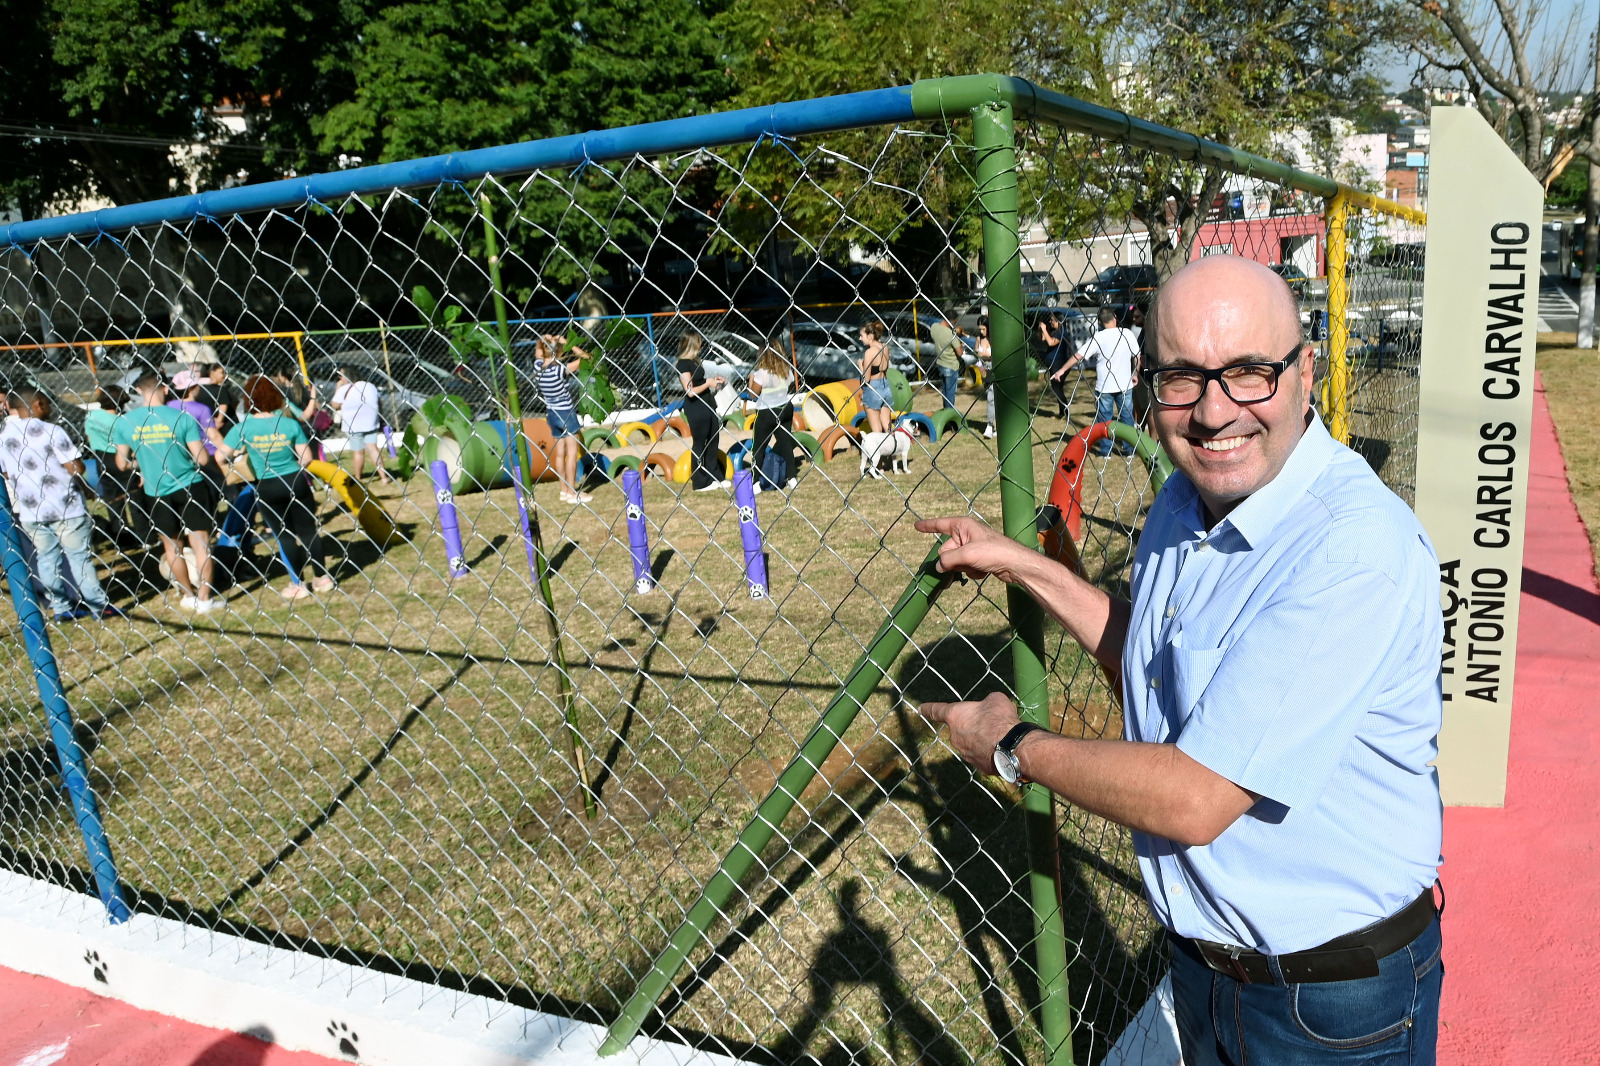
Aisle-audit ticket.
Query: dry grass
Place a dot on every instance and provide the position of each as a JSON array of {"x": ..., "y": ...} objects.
[
  {"x": 1571, "y": 379},
  {"x": 386, "y": 770}
]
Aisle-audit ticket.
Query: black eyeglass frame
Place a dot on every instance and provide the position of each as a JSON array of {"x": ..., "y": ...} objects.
[{"x": 1215, "y": 374}]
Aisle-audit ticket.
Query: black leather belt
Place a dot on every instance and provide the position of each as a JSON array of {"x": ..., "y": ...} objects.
[{"x": 1344, "y": 958}]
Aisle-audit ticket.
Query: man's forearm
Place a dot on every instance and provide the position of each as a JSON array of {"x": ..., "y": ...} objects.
[
  {"x": 1095, "y": 619},
  {"x": 1154, "y": 788}
]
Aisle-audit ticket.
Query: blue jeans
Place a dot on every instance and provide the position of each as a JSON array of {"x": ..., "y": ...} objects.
[
  {"x": 69, "y": 537},
  {"x": 1113, "y": 407},
  {"x": 949, "y": 377},
  {"x": 1388, "y": 1020}
]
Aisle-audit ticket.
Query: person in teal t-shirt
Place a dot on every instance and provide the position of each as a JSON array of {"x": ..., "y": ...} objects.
[
  {"x": 98, "y": 426},
  {"x": 166, "y": 446},
  {"x": 272, "y": 442},
  {"x": 279, "y": 448}
]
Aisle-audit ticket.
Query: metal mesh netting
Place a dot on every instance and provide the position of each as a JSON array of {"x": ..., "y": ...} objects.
[{"x": 387, "y": 771}]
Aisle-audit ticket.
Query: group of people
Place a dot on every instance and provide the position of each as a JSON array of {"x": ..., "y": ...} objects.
[
  {"x": 772, "y": 444},
  {"x": 1113, "y": 351},
  {"x": 163, "y": 452}
]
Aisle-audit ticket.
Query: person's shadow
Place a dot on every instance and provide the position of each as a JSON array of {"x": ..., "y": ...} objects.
[
  {"x": 859, "y": 953},
  {"x": 982, "y": 871}
]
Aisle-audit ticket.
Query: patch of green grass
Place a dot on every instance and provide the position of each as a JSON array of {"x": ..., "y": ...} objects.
[{"x": 1571, "y": 379}]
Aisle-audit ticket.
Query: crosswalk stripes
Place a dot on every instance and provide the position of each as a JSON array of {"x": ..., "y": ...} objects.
[{"x": 1557, "y": 308}]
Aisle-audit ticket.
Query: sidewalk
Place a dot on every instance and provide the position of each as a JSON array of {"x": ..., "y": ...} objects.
[
  {"x": 47, "y": 1023},
  {"x": 1522, "y": 918}
]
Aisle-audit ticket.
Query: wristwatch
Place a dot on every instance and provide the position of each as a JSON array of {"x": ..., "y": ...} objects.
[{"x": 1005, "y": 752}]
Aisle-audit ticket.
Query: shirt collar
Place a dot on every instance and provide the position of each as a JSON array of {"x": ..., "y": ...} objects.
[{"x": 1259, "y": 514}]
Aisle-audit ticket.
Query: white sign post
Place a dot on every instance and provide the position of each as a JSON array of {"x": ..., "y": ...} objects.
[{"x": 1480, "y": 326}]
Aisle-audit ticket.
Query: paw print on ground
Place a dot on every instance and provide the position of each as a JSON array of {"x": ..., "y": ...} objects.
[
  {"x": 97, "y": 965},
  {"x": 347, "y": 1039}
]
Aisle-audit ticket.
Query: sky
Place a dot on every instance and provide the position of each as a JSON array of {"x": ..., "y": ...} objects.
[{"x": 1575, "y": 49}]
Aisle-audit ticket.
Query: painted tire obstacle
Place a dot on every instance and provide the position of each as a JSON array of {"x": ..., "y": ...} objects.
[{"x": 1060, "y": 521}]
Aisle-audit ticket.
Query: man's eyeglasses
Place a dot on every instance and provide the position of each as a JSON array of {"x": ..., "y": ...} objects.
[{"x": 1243, "y": 383}]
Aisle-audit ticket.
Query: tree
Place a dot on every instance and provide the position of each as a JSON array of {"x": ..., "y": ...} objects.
[
  {"x": 1244, "y": 75},
  {"x": 1515, "y": 59},
  {"x": 910, "y": 189}
]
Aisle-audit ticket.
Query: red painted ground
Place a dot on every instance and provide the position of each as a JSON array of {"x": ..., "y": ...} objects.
[
  {"x": 1522, "y": 921},
  {"x": 46, "y": 1023}
]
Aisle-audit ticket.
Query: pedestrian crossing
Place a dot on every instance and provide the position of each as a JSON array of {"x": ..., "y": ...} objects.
[{"x": 1557, "y": 309}]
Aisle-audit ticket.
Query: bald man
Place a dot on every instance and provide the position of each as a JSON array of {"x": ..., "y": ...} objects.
[{"x": 1279, "y": 663}]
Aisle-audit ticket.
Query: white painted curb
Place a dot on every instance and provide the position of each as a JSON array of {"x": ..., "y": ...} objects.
[
  {"x": 1151, "y": 1039},
  {"x": 294, "y": 1000}
]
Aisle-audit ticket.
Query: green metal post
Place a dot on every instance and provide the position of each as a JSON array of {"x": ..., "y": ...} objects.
[
  {"x": 525, "y": 500},
  {"x": 860, "y": 683},
  {"x": 995, "y": 140}
]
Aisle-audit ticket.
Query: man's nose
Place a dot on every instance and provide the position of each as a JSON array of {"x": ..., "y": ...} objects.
[{"x": 1215, "y": 408}]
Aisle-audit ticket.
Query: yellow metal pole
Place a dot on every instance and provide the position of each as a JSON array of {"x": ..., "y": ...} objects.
[
  {"x": 300, "y": 354},
  {"x": 1336, "y": 394}
]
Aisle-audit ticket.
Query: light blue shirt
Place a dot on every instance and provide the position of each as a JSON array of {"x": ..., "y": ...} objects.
[{"x": 1293, "y": 649}]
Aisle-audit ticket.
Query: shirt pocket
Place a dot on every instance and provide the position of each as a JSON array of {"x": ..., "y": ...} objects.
[{"x": 1192, "y": 671}]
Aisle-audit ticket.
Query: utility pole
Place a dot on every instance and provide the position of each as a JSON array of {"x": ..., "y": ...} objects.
[{"x": 1591, "y": 223}]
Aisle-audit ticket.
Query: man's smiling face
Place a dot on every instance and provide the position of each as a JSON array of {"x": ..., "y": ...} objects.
[{"x": 1216, "y": 312}]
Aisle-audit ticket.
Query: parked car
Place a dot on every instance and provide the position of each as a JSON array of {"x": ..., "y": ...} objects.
[
  {"x": 1294, "y": 276},
  {"x": 913, "y": 335},
  {"x": 831, "y": 351},
  {"x": 730, "y": 355},
  {"x": 1117, "y": 285},
  {"x": 1402, "y": 260},
  {"x": 1039, "y": 288}
]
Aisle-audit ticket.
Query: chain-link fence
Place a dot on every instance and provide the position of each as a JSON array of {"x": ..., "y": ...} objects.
[{"x": 518, "y": 765}]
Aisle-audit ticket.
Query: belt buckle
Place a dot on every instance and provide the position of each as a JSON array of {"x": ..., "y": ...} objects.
[{"x": 1224, "y": 958}]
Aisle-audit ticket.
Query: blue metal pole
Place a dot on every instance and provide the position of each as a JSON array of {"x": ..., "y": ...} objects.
[
  {"x": 74, "y": 768},
  {"x": 655, "y": 356}
]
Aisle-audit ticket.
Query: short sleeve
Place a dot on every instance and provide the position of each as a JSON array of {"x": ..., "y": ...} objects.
[
  {"x": 1285, "y": 699},
  {"x": 122, "y": 432},
  {"x": 293, "y": 431},
  {"x": 233, "y": 438}
]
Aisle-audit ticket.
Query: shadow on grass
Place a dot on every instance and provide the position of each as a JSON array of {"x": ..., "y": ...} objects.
[{"x": 981, "y": 872}]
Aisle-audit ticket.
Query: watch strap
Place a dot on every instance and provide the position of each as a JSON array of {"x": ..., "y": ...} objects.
[{"x": 1013, "y": 737}]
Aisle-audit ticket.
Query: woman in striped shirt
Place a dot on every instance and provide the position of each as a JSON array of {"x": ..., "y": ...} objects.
[{"x": 558, "y": 361}]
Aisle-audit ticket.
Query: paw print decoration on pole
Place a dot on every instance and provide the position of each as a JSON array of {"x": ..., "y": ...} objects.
[{"x": 755, "y": 558}]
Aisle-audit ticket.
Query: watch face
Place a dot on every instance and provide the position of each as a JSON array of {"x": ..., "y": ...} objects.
[{"x": 1005, "y": 764}]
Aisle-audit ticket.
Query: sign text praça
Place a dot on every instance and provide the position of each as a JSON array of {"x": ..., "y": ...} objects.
[{"x": 1475, "y": 603}]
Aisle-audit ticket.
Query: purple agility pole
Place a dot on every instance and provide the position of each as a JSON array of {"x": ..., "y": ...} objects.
[
  {"x": 522, "y": 505},
  {"x": 755, "y": 560},
  {"x": 449, "y": 523},
  {"x": 638, "y": 532}
]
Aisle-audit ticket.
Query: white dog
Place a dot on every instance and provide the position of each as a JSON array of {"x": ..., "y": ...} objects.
[{"x": 894, "y": 446}]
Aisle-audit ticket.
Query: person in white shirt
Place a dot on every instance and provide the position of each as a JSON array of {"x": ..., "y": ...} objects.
[
  {"x": 774, "y": 415},
  {"x": 41, "y": 465},
  {"x": 1115, "y": 355},
  {"x": 358, "y": 400}
]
